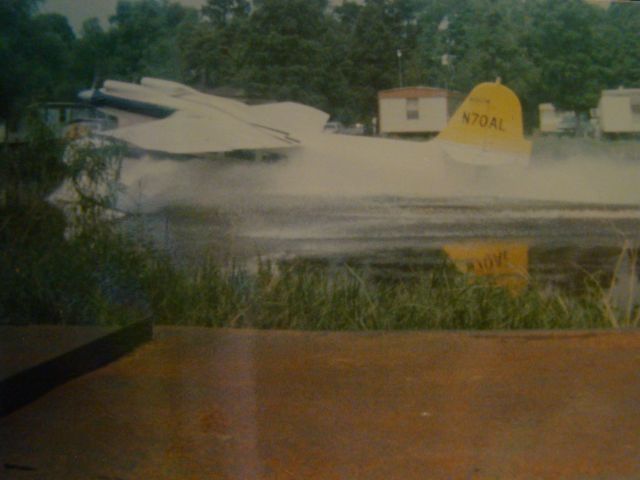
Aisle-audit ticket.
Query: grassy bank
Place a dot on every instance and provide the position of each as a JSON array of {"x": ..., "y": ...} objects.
[
  {"x": 307, "y": 297},
  {"x": 103, "y": 277}
]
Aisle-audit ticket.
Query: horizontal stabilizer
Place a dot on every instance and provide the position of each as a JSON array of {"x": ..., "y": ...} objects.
[{"x": 487, "y": 129}]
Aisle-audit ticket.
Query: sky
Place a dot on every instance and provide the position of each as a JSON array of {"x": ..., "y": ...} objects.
[{"x": 77, "y": 11}]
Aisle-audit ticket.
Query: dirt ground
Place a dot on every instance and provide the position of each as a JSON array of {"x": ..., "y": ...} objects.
[{"x": 217, "y": 404}]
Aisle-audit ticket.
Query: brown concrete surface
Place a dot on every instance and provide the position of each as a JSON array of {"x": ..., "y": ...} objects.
[{"x": 216, "y": 404}]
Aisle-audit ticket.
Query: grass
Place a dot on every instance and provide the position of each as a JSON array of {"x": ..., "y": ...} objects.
[
  {"x": 88, "y": 279},
  {"x": 307, "y": 297}
]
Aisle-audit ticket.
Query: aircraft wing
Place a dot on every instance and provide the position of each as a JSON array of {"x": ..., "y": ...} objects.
[
  {"x": 183, "y": 133},
  {"x": 169, "y": 117},
  {"x": 290, "y": 116},
  {"x": 296, "y": 118}
]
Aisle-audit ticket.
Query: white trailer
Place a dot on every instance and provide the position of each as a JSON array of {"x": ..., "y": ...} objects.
[
  {"x": 556, "y": 122},
  {"x": 619, "y": 111},
  {"x": 415, "y": 110}
]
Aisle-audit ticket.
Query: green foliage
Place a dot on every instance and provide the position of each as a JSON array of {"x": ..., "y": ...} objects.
[
  {"x": 67, "y": 266},
  {"x": 220, "y": 11},
  {"x": 35, "y": 56},
  {"x": 287, "y": 54},
  {"x": 564, "y": 42},
  {"x": 307, "y": 297},
  {"x": 334, "y": 58},
  {"x": 561, "y": 52},
  {"x": 621, "y": 40},
  {"x": 92, "y": 278},
  {"x": 211, "y": 56},
  {"x": 142, "y": 41},
  {"x": 547, "y": 51},
  {"x": 92, "y": 183},
  {"x": 379, "y": 31},
  {"x": 34, "y": 168}
]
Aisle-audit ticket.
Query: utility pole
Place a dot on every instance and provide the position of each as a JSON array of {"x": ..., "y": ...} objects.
[
  {"x": 443, "y": 26},
  {"x": 399, "y": 53}
]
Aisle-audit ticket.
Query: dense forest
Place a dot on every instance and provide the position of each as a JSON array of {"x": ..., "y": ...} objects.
[{"x": 336, "y": 59}]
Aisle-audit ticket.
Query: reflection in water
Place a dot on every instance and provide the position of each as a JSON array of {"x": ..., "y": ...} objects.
[
  {"x": 388, "y": 210},
  {"x": 506, "y": 264},
  {"x": 392, "y": 237}
]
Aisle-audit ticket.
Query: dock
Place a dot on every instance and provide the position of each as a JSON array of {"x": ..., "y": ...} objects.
[{"x": 242, "y": 404}]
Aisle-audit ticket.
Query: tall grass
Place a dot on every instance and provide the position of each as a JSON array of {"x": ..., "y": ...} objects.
[
  {"x": 620, "y": 301},
  {"x": 308, "y": 297}
]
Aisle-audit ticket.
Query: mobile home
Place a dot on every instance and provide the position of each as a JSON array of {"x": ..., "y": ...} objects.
[
  {"x": 556, "y": 122},
  {"x": 415, "y": 110},
  {"x": 619, "y": 111}
]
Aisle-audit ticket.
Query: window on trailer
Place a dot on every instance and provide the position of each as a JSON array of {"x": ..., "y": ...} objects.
[{"x": 412, "y": 109}]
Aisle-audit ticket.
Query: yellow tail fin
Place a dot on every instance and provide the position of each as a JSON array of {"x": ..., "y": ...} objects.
[{"x": 487, "y": 129}]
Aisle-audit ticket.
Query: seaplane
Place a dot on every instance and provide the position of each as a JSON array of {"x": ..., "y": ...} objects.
[{"x": 169, "y": 118}]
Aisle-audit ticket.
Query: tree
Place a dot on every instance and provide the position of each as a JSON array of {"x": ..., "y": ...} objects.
[
  {"x": 92, "y": 53},
  {"x": 381, "y": 29},
  {"x": 287, "y": 54},
  {"x": 17, "y": 53},
  {"x": 142, "y": 39},
  {"x": 211, "y": 49},
  {"x": 562, "y": 40},
  {"x": 54, "y": 59},
  {"x": 546, "y": 51},
  {"x": 202, "y": 52},
  {"x": 220, "y": 11},
  {"x": 620, "y": 42}
]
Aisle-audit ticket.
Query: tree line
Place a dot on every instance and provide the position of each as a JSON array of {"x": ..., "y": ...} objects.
[{"x": 333, "y": 58}]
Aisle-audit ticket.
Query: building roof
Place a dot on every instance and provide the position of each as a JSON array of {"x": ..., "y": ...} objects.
[
  {"x": 417, "y": 92},
  {"x": 622, "y": 92}
]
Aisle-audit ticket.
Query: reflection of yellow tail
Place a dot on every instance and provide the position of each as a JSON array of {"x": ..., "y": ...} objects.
[
  {"x": 505, "y": 263},
  {"x": 487, "y": 129}
]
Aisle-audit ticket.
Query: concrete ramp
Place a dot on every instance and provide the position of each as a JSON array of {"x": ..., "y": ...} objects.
[{"x": 224, "y": 404}]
